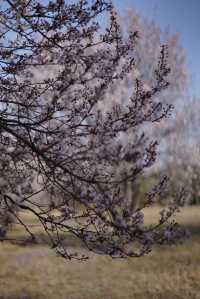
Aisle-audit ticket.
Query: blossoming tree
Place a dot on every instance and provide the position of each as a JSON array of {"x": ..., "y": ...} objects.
[{"x": 52, "y": 127}]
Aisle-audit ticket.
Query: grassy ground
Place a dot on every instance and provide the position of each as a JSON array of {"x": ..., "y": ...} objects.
[{"x": 30, "y": 272}]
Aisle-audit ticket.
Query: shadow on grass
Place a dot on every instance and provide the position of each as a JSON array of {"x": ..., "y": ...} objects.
[
  {"x": 193, "y": 229},
  {"x": 11, "y": 297},
  {"x": 72, "y": 241},
  {"x": 44, "y": 240}
]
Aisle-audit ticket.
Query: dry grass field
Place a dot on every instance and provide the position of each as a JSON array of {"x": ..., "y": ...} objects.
[{"x": 35, "y": 272}]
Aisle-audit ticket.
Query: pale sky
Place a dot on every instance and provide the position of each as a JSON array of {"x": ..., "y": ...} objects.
[{"x": 180, "y": 16}]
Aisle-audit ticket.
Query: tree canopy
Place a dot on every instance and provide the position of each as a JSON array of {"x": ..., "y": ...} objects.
[{"x": 52, "y": 126}]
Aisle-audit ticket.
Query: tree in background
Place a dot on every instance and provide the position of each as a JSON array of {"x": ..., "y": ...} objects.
[
  {"x": 146, "y": 53},
  {"x": 53, "y": 127},
  {"x": 182, "y": 154}
]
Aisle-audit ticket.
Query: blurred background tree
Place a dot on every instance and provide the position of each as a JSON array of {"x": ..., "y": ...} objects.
[{"x": 170, "y": 133}]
